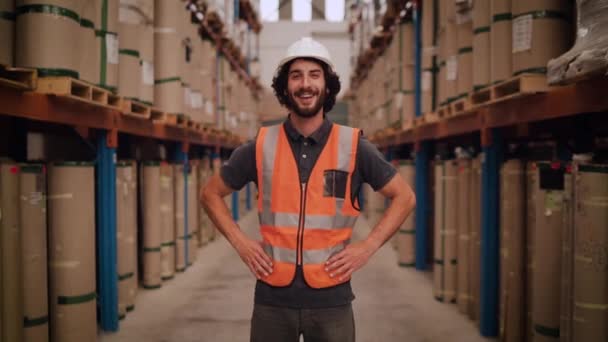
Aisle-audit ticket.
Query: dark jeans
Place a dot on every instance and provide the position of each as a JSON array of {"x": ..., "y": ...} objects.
[{"x": 278, "y": 324}]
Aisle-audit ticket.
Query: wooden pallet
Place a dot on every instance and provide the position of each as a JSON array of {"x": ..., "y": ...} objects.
[
  {"x": 407, "y": 124},
  {"x": 426, "y": 118},
  {"x": 157, "y": 116},
  {"x": 521, "y": 85},
  {"x": 18, "y": 78},
  {"x": 444, "y": 111},
  {"x": 136, "y": 109},
  {"x": 460, "y": 106},
  {"x": 73, "y": 89}
]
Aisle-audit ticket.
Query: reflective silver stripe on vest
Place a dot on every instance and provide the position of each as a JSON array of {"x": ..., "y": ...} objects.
[
  {"x": 280, "y": 254},
  {"x": 288, "y": 220},
  {"x": 319, "y": 256},
  {"x": 269, "y": 152}
]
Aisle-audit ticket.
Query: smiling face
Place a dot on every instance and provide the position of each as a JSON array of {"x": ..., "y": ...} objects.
[{"x": 306, "y": 88}]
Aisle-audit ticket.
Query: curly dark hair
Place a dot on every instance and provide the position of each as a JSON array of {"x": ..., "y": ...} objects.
[{"x": 332, "y": 84}]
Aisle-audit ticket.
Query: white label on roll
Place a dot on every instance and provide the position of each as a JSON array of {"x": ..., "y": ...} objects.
[
  {"x": 187, "y": 97},
  {"x": 452, "y": 68},
  {"x": 398, "y": 100},
  {"x": 209, "y": 107},
  {"x": 197, "y": 100},
  {"x": 522, "y": 33},
  {"x": 427, "y": 80},
  {"x": 147, "y": 73},
  {"x": 112, "y": 48}
]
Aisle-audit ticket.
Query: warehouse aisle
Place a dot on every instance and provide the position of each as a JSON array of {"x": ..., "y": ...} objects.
[{"x": 212, "y": 301}]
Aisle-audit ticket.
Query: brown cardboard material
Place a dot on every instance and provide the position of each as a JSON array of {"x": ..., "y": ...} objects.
[
  {"x": 205, "y": 228},
  {"x": 7, "y": 34},
  {"x": 146, "y": 34},
  {"x": 590, "y": 248},
  {"x": 567, "y": 267},
  {"x": 111, "y": 16},
  {"x": 129, "y": 68},
  {"x": 451, "y": 231},
  {"x": 180, "y": 232},
  {"x": 151, "y": 251},
  {"x": 500, "y": 42},
  {"x": 34, "y": 254},
  {"x": 531, "y": 194},
  {"x": 463, "y": 215},
  {"x": 481, "y": 43},
  {"x": 475, "y": 238},
  {"x": 452, "y": 67},
  {"x": 71, "y": 219},
  {"x": 439, "y": 235},
  {"x": 131, "y": 235},
  {"x": 465, "y": 58},
  {"x": 11, "y": 254},
  {"x": 407, "y": 233},
  {"x": 192, "y": 211},
  {"x": 547, "y": 272},
  {"x": 169, "y": 96},
  {"x": 123, "y": 190},
  {"x": 47, "y": 41},
  {"x": 441, "y": 76},
  {"x": 167, "y": 213},
  {"x": 512, "y": 242}
]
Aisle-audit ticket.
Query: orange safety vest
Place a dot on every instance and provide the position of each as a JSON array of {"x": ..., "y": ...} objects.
[{"x": 300, "y": 223}]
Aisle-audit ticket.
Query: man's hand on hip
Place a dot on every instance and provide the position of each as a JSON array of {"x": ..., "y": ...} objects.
[
  {"x": 253, "y": 255},
  {"x": 350, "y": 259}
]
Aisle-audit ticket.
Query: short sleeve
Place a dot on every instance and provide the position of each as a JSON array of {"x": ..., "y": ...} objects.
[
  {"x": 240, "y": 168},
  {"x": 373, "y": 168}
]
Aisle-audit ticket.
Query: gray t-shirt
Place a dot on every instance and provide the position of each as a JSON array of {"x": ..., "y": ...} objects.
[{"x": 370, "y": 167}]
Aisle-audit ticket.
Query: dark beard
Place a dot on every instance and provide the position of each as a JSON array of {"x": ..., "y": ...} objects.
[{"x": 306, "y": 113}]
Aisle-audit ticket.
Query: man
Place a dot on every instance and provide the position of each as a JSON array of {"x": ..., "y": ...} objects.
[{"x": 309, "y": 172}]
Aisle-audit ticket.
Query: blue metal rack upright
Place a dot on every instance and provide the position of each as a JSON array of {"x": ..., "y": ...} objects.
[
  {"x": 422, "y": 151},
  {"x": 181, "y": 155},
  {"x": 490, "y": 196},
  {"x": 107, "y": 279}
]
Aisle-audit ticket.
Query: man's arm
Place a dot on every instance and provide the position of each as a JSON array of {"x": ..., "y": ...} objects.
[
  {"x": 249, "y": 250},
  {"x": 356, "y": 255}
]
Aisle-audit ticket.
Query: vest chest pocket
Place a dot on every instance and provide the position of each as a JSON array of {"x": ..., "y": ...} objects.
[{"x": 334, "y": 183}]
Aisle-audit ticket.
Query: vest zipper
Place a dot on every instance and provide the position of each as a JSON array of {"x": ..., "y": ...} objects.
[{"x": 300, "y": 236}]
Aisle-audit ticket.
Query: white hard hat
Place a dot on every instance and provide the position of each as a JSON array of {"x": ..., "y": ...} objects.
[{"x": 307, "y": 47}]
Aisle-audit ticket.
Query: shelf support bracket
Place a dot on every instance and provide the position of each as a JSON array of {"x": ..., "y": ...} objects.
[
  {"x": 107, "y": 279},
  {"x": 490, "y": 197}
]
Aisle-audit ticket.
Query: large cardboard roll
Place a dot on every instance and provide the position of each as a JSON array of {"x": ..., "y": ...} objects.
[
  {"x": 567, "y": 257},
  {"x": 441, "y": 63},
  {"x": 129, "y": 68},
  {"x": 131, "y": 235},
  {"x": 475, "y": 238},
  {"x": 151, "y": 251},
  {"x": 406, "y": 238},
  {"x": 7, "y": 31},
  {"x": 146, "y": 35},
  {"x": 590, "y": 249},
  {"x": 11, "y": 254},
  {"x": 481, "y": 44},
  {"x": 451, "y": 231},
  {"x": 451, "y": 66},
  {"x": 438, "y": 233},
  {"x": 465, "y": 59},
  {"x": 88, "y": 52},
  {"x": 501, "y": 39},
  {"x": 125, "y": 246},
  {"x": 72, "y": 281},
  {"x": 180, "y": 221},
  {"x": 463, "y": 216},
  {"x": 542, "y": 31},
  {"x": 35, "y": 261},
  {"x": 532, "y": 189},
  {"x": 47, "y": 31},
  {"x": 106, "y": 30},
  {"x": 512, "y": 242},
  {"x": 192, "y": 212},
  {"x": 167, "y": 212}
]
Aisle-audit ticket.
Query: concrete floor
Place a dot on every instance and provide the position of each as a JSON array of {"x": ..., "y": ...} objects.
[{"x": 213, "y": 301}]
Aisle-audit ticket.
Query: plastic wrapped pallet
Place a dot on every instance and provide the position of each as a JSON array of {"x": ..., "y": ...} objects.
[
  {"x": 35, "y": 260},
  {"x": 588, "y": 55},
  {"x": 541, "y": 30},
  {"x": 151, "y": 247},
  {"x": 481, "y": 44},
  {"x": 406, "y": 238},
  {"x": 547, "y": 272},
  {"x": 439, "y": 233},
  {"x": 47, "y": 31},
  {"x": 7, "y": 31},
  {"x": 11, "y": 289},
  {"x": 512, "y": 241},
  {"x": 590, "y": 249},
  {"x": 72, "y": 278},
  {"x": 500, "y": 41}
]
